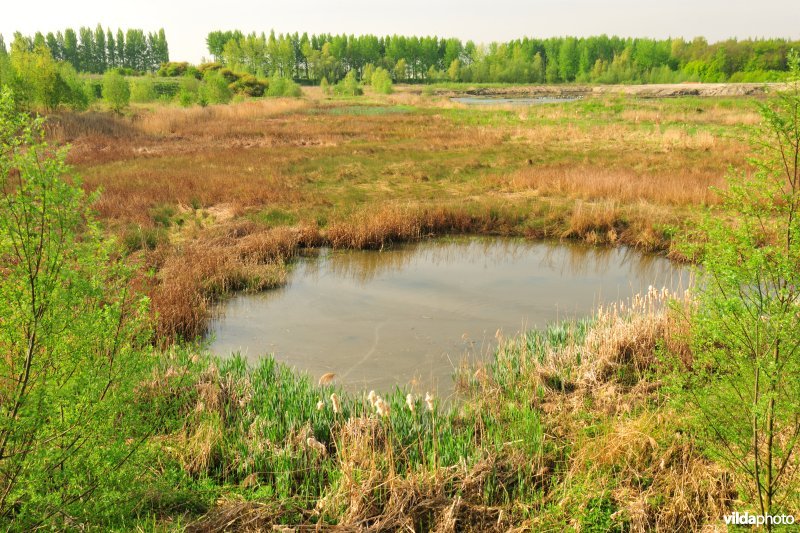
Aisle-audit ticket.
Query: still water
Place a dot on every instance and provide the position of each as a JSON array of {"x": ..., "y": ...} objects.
[
  {"x": 409, "y": 315},
  {"x": 501, "y": 100}
]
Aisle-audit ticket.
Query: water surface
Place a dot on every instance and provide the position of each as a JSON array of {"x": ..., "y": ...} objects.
[
  {"x": 409, "y": 315},
  {"x": 512, "y": 100}
]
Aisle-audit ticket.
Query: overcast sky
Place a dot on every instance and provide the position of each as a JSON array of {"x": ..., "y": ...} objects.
[{"x": 188, "y": 22}]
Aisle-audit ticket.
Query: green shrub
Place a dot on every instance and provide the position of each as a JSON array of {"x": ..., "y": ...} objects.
[
  {"x": 249, "y": 85},
  {"x": 382, "y": 81},
  {"x": 325, "y": 86},
  {"x": 186, "y": 98},
  {"x": 214, "y": 88},
  {"x": 280, "y": 86},
  {"x": 116, "y": 90},
  {"x": 348, "y": 86},
  {"x": 366, "y": 76},
  {"x": 143, "y": 90},
  {"x": 75, "y": 341},
  {"x": 175, "y": 69}
]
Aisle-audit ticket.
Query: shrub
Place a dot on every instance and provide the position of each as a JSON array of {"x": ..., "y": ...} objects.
[
  {"x": 249, "y": 85},
  {"x": 73, "y": 90},
  {"x": 280, "y": 86},
  {"x": 348, "y": 86},
  {"x": 186, "y": 98},
  {"x": 366, "y": 76},
  {"x": 382, "y": 81},
  {"x": 175, "y": 69},
  {"x": 143, "y": 90},
  {"x": 214, "y": 89},
  {"x": 116, "y": 90},
  {"x": 744, "y": 380},
  {"x": 73, "y": 342}
]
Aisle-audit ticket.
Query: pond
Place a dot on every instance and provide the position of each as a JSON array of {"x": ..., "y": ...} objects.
[
  {"x": 407, "y": 316},
  {"x": 510, "y": 100}
]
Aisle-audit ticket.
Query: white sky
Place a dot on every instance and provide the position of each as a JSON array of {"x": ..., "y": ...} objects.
[{"x": 188, "y": 22}]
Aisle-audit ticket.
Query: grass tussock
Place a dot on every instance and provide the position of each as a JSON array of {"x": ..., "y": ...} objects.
[
  {"x": 596, "y": 386},
  {"x": 374, "y": 229},
  {"x": 236, "y": 257}
]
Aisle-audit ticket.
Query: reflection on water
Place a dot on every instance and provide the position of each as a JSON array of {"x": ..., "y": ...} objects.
[
  {"x": 408, "y": 315},
  {"x": 500, "y": 100}
]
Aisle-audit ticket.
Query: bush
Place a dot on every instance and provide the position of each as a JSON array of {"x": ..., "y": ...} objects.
[
  {"x": 175, "y": 69},
  {"x": 382, "y": 81},
  {"x": 74, "y": 339},
  {"x": 249, "y": 85},
  {"x": 280, "y": 86},
  {"x": 186, "y": 98},
  {"x": 349, "y": 86},
  {"x": 73, "y": 90},
  {"x": 214, "y": 89},
  {"x": 143, "y": 90},
  {"x": 366, "y": 76},
  {"x": 743, "y": 383},
  {"x": 116, "y": 90}
]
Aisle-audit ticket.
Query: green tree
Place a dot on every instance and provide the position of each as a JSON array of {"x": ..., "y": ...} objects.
[
  {"x": 72, "y": 338},
  {"x": 743, "y": 382},
  {"x": 116, "y": 90},
  {"x": 100, "y": 56},
  {"x": 143, "y": 90},
  {"x": 366, "y": 76},
  {"x": 400, "y": 70},
  {"x": 454, "y": 70},
  {"x": 382, "y": 81},
  {"x": 349, "y": 86},
  {"x": 36, "y": 76},
  {"x": 214, "y": 89}
]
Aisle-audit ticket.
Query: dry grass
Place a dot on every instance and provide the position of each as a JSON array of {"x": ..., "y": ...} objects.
[
  {"x": 364, "y": 176},
  {"x": 688, "y": 187},
  {"x": 212, "y": 120},
  {"x": 376, "y": 228},
  {"x": 242, "y": 257},
  {"x": 603, "y": 410}
]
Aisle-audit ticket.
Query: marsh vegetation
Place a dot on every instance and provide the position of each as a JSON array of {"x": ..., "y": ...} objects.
[{"x": 590, "y": 424}]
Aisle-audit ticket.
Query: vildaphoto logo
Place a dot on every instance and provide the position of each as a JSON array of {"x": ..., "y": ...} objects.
[{"x": 746, "y": 519}]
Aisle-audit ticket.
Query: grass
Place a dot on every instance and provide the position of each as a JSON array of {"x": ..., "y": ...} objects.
[
  {"x": 363, "y": 172},
  {"x": 561, "y": 430},
  {"x": 564, "y": 429}
]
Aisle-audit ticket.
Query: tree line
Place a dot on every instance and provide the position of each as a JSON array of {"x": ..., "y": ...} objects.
[
  {"x": 98, "y": 50},
  {"x": 599, "y": 59}
]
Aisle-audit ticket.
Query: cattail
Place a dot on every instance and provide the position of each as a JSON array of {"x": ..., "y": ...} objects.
[
  {"x": 410, "y": 402},
  {"x": 337, "y": 407},
  {"x": 326, "y": 378},
  {"x": 372, "y": 397},
  {"x": 429, "y": 401},
  {"x": 382, "y": 407},
  {"x": 314, "y": 444},
  {"x": 320, "y": 405}
]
